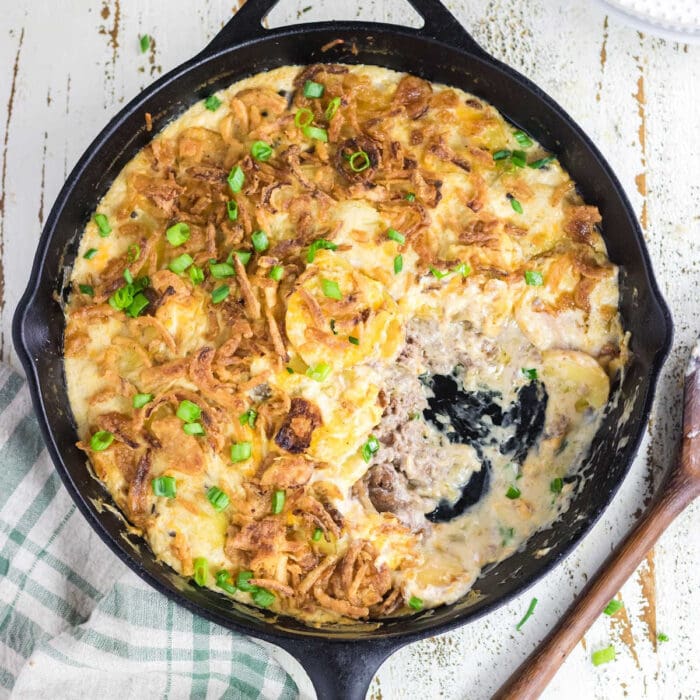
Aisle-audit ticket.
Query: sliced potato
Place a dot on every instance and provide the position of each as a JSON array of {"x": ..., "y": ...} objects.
[{"x": 576, "y": 378}]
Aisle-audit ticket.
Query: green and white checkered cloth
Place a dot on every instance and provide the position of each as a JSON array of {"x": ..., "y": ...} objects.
[{"x": 74, "y": 621}]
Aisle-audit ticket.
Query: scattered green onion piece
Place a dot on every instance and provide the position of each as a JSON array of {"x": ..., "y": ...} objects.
[
  {"x": 278, "y": 499},
  {"x": 232, "y": 209},
  {"x": 201, "y": 571},
  {"x": 248, "y": 418},
  {"x": 235, "y": 179},
  {"x": 121, "y": 299},
  {"x": 352, "y": 339},
  {"x": 332, "y": 108},
  {"x": 242, "y": 581},
  {"x": 145, "y": 42},
  {"x": 319, "y": 244},
  {"x": 318, "y": 533},
  {"x": 315, "y": 132},
  {"x": 90, "y": 253},
  {"x": 463, "y": 269},
  {"x": 370, "y": 448},
  {"x": 218, "y": 499},
  {"x": 244, "y": 256},
  {"x": 101, "y": 440},
  {"x": 332, "y": 325},
  {"x": 193, "y": 429},
  {"x": 394, "y": 235},
  {"x": 515, "y": 204},
  {"x": 529, "y": 373},
  {"x": 662, "y": 637},
  {"x": 220, "y": 271},
  {"x": 241, "y": 451},
  {"x": 140, "y": 400},
  {"x": 178, "y": 233},
  {"x": 613, "y": 606},
  {"x": 513, "y": 492},
  {"x": 603, "y": 656},
  {"x": 289, "y": 370},
  {"x": 263, "y": 598},
  {"x": 224, "y": 580},
  {"x": 103, "y": 225},
  {"x": 219, "y": 294},
  {"x": 331, "y": 289},
  {"x": 398, "y": 264},
  {"x": 212, "y": 103},
  {"x": 358, "y": 161},
  {"x": 319, "y": 372},
  {"x": 541, "y": 162},
  {"x": 501, "y": 155},
  {"x": 518, "y": 158},
  {"x": 303, "y": 117},
  {"x": 133, "y": 252},
  {"x": 415, "y": 603},
  {"x": 556, "y": 485},
  {"x": 439, "y": 273},
  {"x": 165, "y": 486},
  {"x": 507, "y": 533},
  {"x": 196, "y": 274},
  {"x": 261, "y": 150},
  {"x": 528, "y": 614},
  {"x": 312, "y": 89},
  {"x": 188, "y": 411},
  {"x": 180, "y": 263},
  {"x": 260, "y": 241},
  {"x": 276, "y": 273},
  {"x": 523, "y": 139},
  {"x": 86, "y": 289},
  {"x": 533, "y": 278},
  {"x": 410, "y": 197},
  {"x": 139, "y": 303}
]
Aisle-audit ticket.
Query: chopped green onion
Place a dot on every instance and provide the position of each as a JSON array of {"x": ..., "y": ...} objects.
[
  {"x": 289, "y": 370},
  {"x": 303, "y": 117},
  {"x": 319, "y": 244},
  {"x": 196, "y": 274},
  {"x": 533, "y": 278},
  {"x": 101, "y": 440},
  {"x": 613, "y": 606},
  {"x": 507, "y": 533},
  {"x": 439, "y": 273},
  {"x": 331, "y": 289},
  {"x": 276, "y": 273},
  {"x": 261, "y": 150},
  {"x": 662, "y": 637},
  {"x": 164, "y": 486},
  {"x": 352, "y": 339},
  {"x": 263, "y": 598},
  {"x": 86, "y": 289},
  {"x": 528, "y": 614},
  {"x": 541, "y": 162},
  {"x": 178, "y": 233},
  {"x": 501, "y": 155},
  {"x": 312, "y": 89},
  {"x": 133, "y": 252},
  {"x": 315, "y": 132},
  {"x": 241, "y": 451},
  {"x": 212, "y": 103},
  {"x": 219, "y": 294},
  {"x": 517, "y": 207},
  {"x": 121, "y": 299},
  {"x": 193, "y": 429},
  {"x": 529, "y": 373},
  {"x": 90, "y": 253},
  {"x": 332, "y": 108},
  {"x": 145, "y": 42},
  {"x": 188, "y": 411},
  {"x": 556, "y": 485},
  {"x": 242, "y": 581},
  {"x": 603, "y": 656},
  {"x": 359, "y": 161},
  {"x": 278, "y": 499},
  {"x": 140, "y": 400},
  {"x": 513, "y": 493},
  {"x": 244, "y": 256},
  {"x": 523, "y": 139},
  {"x": 103, "y": 225},
  {"x": 518, "y": 158},
  {"x": 224, "y": 580},
  {"x": 332, "y": 325},
  {"x": 260, "y": 241},
  {"x": 370, "y": 448},
  {"x": 415, "y": 603},
  {"x": 221, "y": 270},
  {"x": 217, "y": 498},
  {"x": 410, "y": 197},
  {"x": 463, "y": 269},
  {"x": 235, "y": 179},
  {"x": 232, "y": 209},
  {"x": 139, "y": 303},
  {"x": 248, "y": 418},
  {"x": 180, "y": 263},
  {"x": 394, "y": 235},
  {"x": 318, "y": 533},
  {"x": 201, "y": 571},
  {"x": 319, "y": 372},
  {"x": 398, "y": 264}
]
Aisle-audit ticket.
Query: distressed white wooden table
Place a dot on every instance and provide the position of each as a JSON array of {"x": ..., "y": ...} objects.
[{"x": 67, "y": 66}]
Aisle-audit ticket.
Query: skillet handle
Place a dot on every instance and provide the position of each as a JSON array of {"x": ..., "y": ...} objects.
[{"x": 439, "y": 24}]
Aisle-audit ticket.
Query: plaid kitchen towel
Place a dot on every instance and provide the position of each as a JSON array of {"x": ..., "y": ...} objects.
[{"x": 74, "y": 621}]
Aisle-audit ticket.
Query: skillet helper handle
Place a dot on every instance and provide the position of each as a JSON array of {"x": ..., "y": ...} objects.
[{"x": 533, "y": 675}]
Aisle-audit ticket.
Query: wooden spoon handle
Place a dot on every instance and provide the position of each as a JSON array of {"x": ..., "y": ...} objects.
[{"x": 533, "y": 675}]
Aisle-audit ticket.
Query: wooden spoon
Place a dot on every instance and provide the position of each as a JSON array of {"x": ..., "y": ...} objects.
[{"x": 681, "y": 487}]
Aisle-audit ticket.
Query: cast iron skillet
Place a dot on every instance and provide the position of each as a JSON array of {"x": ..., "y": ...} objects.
[{"x": 341, "y": 662}]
